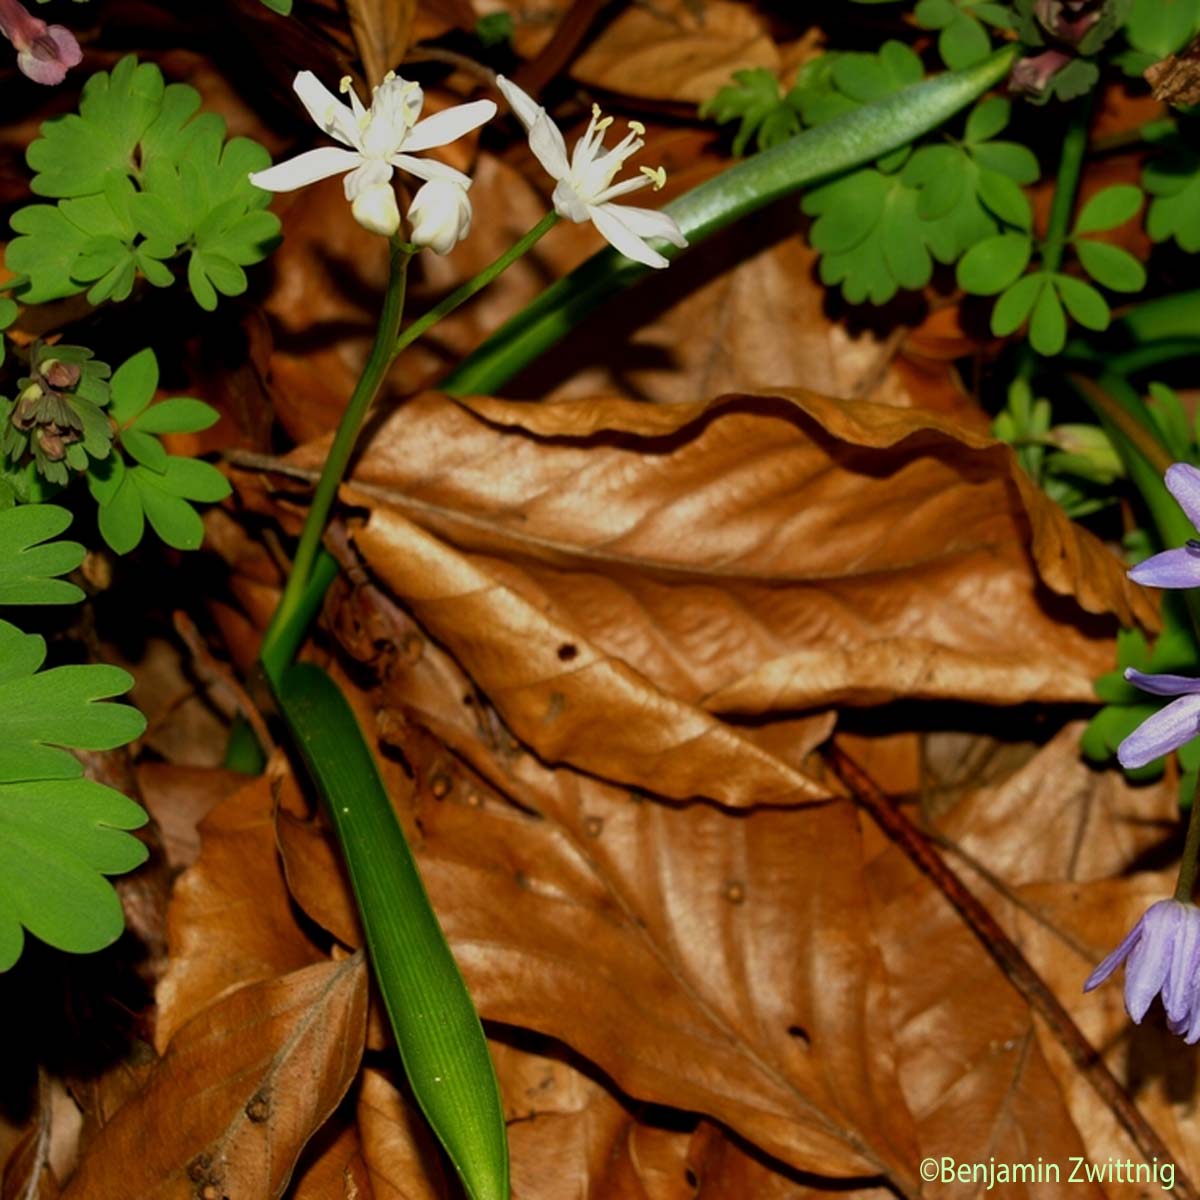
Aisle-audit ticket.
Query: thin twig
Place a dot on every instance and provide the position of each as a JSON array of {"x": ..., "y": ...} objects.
[{"x": 919, "y": 850}]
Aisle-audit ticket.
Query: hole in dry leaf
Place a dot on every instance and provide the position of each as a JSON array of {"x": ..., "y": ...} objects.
[
  {"x": 693, "y": 1180},
  {"x": 258, "y": 1108},
  {"x": 800, "y": 1034},
  {"x": 567, "y": 651}
]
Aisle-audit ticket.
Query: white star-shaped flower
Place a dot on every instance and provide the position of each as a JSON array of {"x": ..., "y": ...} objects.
[
  {"x": 584, "y": 188},
  {"x": 380, "y": 139}
]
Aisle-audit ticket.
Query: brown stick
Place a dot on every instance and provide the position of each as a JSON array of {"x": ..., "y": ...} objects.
[{"x": 1011, "y": 961}]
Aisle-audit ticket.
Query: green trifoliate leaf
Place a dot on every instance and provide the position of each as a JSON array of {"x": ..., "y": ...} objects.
[
  {"x": 963, "y": 40},
  {"x": 1110, "y": 266},
  {"x": 1109, "y": 208},
  {"x": 1048, "y": 322},
  {"x": 1083, "y": 302},
  {"x": 994, "y": 264},
  {"x": 1173, "y": 182},
  {"x": 30, "y": 561}
]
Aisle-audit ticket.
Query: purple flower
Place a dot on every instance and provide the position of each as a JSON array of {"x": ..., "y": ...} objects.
[
  {"x": 44, "y": 52},
  {"x": 1167, "y": 729},
  {"x": 1161, "y": 954},
  {"x": 1176, "y": 568}
]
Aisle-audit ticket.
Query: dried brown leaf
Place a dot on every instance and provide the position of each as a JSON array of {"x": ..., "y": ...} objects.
[
  {"x": 399, "y": 1152},
  {"x": 677, "y": 49},
  {"x": 382, "y": 31},
  {"x": 564, "y": 696},
  {"x": 717, "y": 964},
  {"x": 240, "y": 1090},
  {"x": 332, "y": 1167},
  {"x": 760, "y": 553},
  {"x": 231, "y": 920}
]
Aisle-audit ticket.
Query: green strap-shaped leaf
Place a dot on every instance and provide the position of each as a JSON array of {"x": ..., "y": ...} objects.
[
  {"x": 437, "y": 1030},
  {"x": 29, "y": 560}
]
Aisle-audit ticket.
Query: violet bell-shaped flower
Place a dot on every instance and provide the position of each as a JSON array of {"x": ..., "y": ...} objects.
[
  {"x": 1161, "y": 954},
  {"x": 44, "y": 52},
  {"x": 584, "y": 188},
  {"x": 1170, "y": 727},
  {"x": 379, "y": 139},
  {"x": 1176, "y": 568}
]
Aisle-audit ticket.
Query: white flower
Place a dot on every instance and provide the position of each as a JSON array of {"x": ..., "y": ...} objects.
[
  {"x": 584, "y": 188},
  {"x": 440, "y": 215},
  {"x": 380, "y": 138}
]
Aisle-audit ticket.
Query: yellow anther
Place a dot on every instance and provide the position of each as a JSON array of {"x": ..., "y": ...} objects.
[
  {"x": 656, "y": 175},
  {"x": 638, "y": 128},
  {"x": 345, "y": 84},
  {"x": 595, "y": 112},
  {"x": 389, "y": 77}
]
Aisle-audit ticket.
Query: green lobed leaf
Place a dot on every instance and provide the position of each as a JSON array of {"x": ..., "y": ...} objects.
[
  {"x": 179, "y": 414},
  {"x": 58, "y": 839},
  {"x": 1083, "y": 302},
  {"x": 46, "y": 710},
  {"x": 30, "y": 561}
]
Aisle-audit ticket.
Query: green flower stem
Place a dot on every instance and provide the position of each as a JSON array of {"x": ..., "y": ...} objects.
[
  {"x": 810, "y": 157},
  {"x": 1186, "y": 882},
  {"x": 1153, "y": 354},
  {"x": 467, "y": 290},
  {"x": 299, "y": 601},
  {"x": 1070, "y": 167},
  {"x": 1172, "y": 316}
]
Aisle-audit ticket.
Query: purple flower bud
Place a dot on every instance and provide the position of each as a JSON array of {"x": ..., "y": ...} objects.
[
  {"x": 1161, "y": 954},
  {"x": 1176, "y": 568},
  {"x": 44, "y": 52},
  {"x": 1068, "y": 20},
  {"x": 1031, "y": 76},
  {"x": 1167, "y": 729}
]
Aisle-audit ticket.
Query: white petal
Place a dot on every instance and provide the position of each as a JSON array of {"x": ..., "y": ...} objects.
[
  {"x": 331, "y": 115},
  {"x": 429, "y": 168},
  {"x": 305, "y": 168},
  {"x": 520, "y": 101},
  {"x": 440, "y": 216},
  {"x": 375, "y": 208},
  {"x": 607, "y": 219},
  {"x": 546, "y": 142},
  {"x": 449, "y": 125},
  {"x": 650, "y": 223}
]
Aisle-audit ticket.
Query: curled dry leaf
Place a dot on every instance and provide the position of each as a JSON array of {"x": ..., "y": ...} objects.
[
  {"x": 716, "y": 964},
  {"x": 240, "y": 1090},
  {"x": 233, "y": 898},
  {"x": 676, "y": 50},
  {"x": 756, "y": 553},
  {"x": 332, "y": 1166}
]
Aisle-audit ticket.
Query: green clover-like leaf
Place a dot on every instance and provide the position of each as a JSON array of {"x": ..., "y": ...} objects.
[
  {"x": 1110, "y": 266},
  {"x": 1109, "y": 208}
]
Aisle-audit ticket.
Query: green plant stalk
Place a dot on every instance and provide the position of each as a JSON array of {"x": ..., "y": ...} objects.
[
  {"x": 1066, "y": 187},
  {"x": 1185, "y": 885},
  {"x": 297, "y": 597},
  {"x": 810, "y": 157},
  {"x": 1164, "y": 317},
  {"x": 464, "y": 293},
  {"x": 437, "y": 1030},
  {"x": 1142, "y": 357}
]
